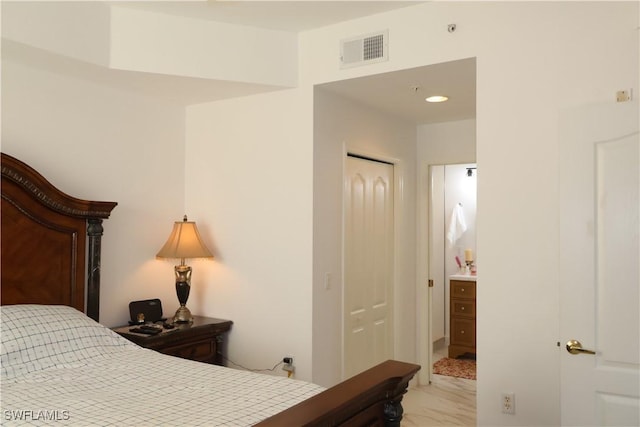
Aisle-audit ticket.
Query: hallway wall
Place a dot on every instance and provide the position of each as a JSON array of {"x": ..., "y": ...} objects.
[{"x": 341, "y": 126}]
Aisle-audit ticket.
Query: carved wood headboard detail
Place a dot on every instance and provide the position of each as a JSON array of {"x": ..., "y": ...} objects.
[{"x": 50, "y": 242}]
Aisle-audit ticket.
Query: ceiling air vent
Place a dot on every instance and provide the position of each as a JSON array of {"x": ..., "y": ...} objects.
[{"x": 365, "y": 49}]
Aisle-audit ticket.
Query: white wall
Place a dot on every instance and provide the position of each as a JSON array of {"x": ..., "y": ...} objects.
[
  {"x": 566, "y": 63},
  {"x": 447, "y": 143},
  {"x": 99, "y": 143},
  {"x": 78, "y": 30},
  {"x": 169, "y": 44},
  {"x": 251, "y": 186},
  {"x": 249, "y": 181},
  {"x": 534, "y": 60},
  {"x": 115, "y": 36},
  {"x": 341, "y": 126}
]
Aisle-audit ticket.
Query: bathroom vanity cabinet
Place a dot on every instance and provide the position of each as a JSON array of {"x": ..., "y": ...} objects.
[{"x": 462, "y": 317}]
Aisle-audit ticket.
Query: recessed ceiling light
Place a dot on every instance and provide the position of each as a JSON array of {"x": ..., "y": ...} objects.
[{"x": 437, "y": 98}]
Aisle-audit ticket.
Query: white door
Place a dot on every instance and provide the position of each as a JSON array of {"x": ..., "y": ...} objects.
[
  {"x": 368, "y": 264},
  {"x": 600, "y": 265}
]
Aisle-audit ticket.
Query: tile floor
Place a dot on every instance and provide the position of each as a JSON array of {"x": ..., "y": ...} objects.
[{"x": 447, "y": 401}]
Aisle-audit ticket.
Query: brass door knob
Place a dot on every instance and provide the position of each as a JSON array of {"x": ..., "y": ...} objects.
[{"x": 574, "y": 347}]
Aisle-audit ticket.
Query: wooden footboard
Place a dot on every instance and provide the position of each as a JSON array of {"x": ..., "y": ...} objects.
[{"x": 371, "y": 398}]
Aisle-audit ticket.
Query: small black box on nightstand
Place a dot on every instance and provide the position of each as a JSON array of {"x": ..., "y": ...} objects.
[{"x": 149, "y": 310}]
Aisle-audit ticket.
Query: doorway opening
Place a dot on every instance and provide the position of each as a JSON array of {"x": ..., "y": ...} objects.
[
  {"x": 452, "y": 257},
  {"x": 348, "y": 118}
]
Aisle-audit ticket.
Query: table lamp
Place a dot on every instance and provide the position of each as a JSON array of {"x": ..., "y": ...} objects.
[{"x": 184, "y": 242}]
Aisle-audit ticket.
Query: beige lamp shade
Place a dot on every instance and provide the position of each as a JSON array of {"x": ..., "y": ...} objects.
[{"x": 184, "y": 242}]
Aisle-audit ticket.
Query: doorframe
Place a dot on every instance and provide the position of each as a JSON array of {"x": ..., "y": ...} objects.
[
  {"x": 423, "y": 292},
  {"x": 398, "y": 194}
]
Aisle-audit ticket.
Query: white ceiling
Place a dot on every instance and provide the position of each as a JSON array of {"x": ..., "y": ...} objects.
[
  {"x": 276, "y": 15},
  {"x": 402, "y": 93},
  {"x": 399, "y": 93}
]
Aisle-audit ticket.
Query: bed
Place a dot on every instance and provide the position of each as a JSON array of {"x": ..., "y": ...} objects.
[{"x": 60, "y": 366}]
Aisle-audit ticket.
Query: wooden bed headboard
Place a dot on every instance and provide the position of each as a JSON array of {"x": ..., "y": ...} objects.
[{"x": 50, "y": 242}]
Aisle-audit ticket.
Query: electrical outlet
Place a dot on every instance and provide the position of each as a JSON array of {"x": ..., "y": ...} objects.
[
  {"x": 508, "y": 403},
  {"x": 287, "y": 365}
]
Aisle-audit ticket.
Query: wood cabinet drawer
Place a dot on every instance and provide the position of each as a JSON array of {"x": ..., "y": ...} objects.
[
  {"x": 463, "y": 308},
  {"x": 201, "y": 351},
  {"x": 462, "y": 317},
  {"x": 463, "y": 289},
  {"x": 463, "y": 332}
]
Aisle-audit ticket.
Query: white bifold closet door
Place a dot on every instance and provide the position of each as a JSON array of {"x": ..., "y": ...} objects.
[{"x": 368, "y": 264}]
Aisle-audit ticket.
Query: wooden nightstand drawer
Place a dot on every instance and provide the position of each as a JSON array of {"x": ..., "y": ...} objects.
[{"x": 202, "y": 351}]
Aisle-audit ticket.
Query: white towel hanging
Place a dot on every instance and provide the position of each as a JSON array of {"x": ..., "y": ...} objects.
[{"x": 457, "y": 225}]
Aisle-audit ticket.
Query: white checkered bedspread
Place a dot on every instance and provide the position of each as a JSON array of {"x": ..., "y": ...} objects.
[{"x": 61, "y": 368}]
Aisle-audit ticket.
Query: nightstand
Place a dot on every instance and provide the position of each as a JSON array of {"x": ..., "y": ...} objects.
[{"x": 201, "y": 340}]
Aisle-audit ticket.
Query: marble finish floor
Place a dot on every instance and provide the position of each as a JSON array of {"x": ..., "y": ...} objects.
[{"x": 447, "y": 401}]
